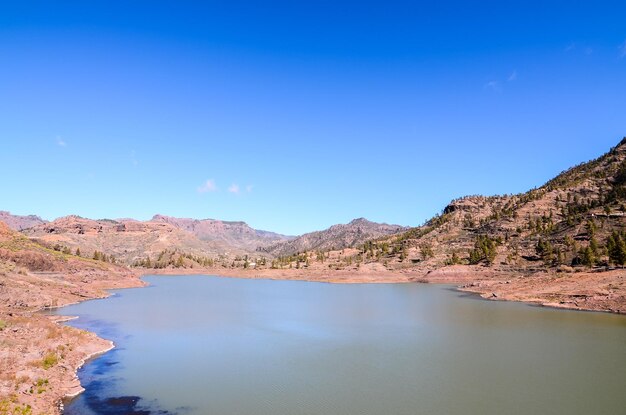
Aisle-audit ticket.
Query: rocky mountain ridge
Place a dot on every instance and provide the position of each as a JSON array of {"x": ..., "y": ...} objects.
[
  {"x": 125, "y": 241},
  {"x": 231, "y": 233},
  {"x": 338, "y": 236},
  {"x": 198, "y": 241},
  {"x": 18, "y": 222}
]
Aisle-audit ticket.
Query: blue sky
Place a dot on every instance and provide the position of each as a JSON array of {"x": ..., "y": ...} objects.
[{"x": 292, "y": 116}]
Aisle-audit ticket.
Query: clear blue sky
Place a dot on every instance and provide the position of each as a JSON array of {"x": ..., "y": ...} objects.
[{"x": 316, "y": 112}]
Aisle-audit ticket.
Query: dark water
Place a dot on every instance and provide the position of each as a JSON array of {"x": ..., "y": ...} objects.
[{"x": 207, "y": 345}]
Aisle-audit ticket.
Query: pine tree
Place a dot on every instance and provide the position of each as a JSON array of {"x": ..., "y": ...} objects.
[
  {"x": 616, "y": 247},
  {"x": 587, "y": 257},
  {"x": 179, "y": 262},
  {"x": 485, "y": 249}
]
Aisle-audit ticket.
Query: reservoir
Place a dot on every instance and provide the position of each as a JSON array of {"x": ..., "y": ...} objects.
[{"x": 227, "y": 346}]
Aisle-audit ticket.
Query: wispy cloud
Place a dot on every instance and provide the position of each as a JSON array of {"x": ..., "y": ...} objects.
[
  {"x": 513, "y": 76},
  {"x": 249, "y": 188},
  {"x": 61, "y": 142},
  {"x": 234, "y": 188},
  {"x": 133, "y": 159},
  {"x": 208, "y": 186},
  {"x": 587, "y": 50},
  {"x": 494, "y": 86},
  {"x": 622, "y": 50}
]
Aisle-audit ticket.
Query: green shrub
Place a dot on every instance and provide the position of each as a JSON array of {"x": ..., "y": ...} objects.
[{"x": 49, "y": 360}]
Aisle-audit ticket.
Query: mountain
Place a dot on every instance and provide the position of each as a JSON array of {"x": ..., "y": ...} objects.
[
  {"x": 238, "y": 235},
  {"x": 126, "y": 240},
  {"x": 575, "y": 221},
  {"x": 19, "y": 223},
  {"x": 336, "y": 237}
]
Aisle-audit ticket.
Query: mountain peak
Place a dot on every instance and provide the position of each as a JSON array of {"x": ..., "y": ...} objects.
[
  {"x": 359, "y": 221},
  {"x": 338, "y": 236}
]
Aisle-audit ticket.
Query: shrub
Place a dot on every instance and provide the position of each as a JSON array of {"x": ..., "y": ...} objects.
[{"x": 49, "y": 360}]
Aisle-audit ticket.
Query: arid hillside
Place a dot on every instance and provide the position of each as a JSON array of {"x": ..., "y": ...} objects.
[
  {"x": 576, "y": 220},
  {"x": 238, "y": 235},
  {"x": 38, "y": 358},
  {"x": 124, "y": 241},
  {"x": 336, "y": 237}
]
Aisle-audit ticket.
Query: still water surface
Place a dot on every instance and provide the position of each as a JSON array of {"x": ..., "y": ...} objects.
[{"x": 209, "y": 345}]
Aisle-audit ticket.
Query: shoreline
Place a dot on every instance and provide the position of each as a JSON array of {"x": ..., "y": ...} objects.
[
  {"x": 459, "y": 281},
  {"x": 40, "y": 355},
  {"x": 585, "y": 291},
  {"x": 38, "y": 333},
  {"x": 107, "y": 347}
]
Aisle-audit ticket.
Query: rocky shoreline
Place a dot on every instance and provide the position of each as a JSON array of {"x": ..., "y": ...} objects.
[{"x": 39, "y": 355}]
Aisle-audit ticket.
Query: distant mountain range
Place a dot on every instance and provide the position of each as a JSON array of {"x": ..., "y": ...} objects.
[{"x": 128, "y": 241}]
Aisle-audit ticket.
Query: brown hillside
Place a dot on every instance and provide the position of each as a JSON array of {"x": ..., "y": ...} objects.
[
  {"x": 238, "y": 235},
  {"x": 336, "y": 237},
  {"x": 38, "y": 358},
  {"x": 565, "y": 223},
  {"x": 124, "y": 241}
]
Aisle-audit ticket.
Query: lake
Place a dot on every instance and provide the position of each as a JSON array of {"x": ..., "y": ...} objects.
[{"x": 226, "y": 346}]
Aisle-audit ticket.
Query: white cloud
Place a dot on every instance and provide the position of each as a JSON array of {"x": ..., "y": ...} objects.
[
  {"x": 249, "y": 188},
  {"x": 208, "y": 186},
  {"x": 588, "y": 51},
  {"x": 622, "y": 50},
  {"x": 61, "y": 142},
  {"x": 512, "y": 77},
  {"x": 570, "y": 47},
  {"x": 494, "y": 86},
  {"x": 234, "y": 188},
  {"x": 133, "y": 159}
]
